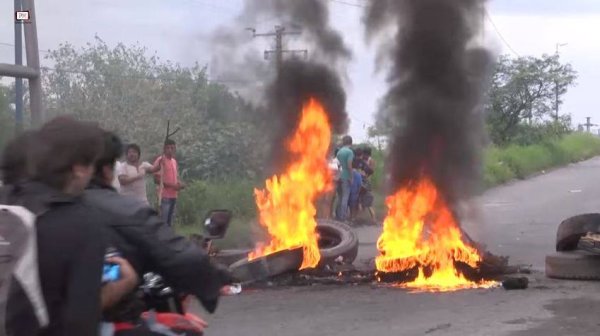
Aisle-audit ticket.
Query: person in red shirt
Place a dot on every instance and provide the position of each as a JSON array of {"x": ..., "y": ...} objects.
[{"x": 168, "y": 181}]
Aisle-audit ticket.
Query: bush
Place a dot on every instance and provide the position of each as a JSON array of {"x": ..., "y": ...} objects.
[
  {"x": 500, "y": 165},
  {"x": 378, "y": 174},
  {"x": 526, "y": 160},
  {"x": 202, "y": 196},
  {"x": 504, "y": 164},
  {"x": 496, "y": 171},
  {"x": 526, "y": 135},
  {"x": 579, "y": 146}
]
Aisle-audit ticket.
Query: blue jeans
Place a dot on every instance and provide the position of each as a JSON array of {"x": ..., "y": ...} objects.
[
  {"x": 167, "y": 210},
  {"x": 343, "y": 197}
]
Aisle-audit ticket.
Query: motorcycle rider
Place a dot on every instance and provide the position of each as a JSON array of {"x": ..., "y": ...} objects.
[
  {"x": 14, "y": 166},
  {"x": 46, "y": 171},
  {"x": 149, "y": 244}
]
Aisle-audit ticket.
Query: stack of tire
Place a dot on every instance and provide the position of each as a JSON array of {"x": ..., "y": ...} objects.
[
  {"x": 338, "y": 244},
  {"x": 570, "y": 261}
]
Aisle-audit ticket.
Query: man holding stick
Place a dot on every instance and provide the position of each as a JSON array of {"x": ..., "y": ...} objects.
[{"x": 168, "y": 181}]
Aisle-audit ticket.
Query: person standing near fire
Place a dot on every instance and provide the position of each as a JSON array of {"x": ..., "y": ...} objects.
[
  {"x": 168, "y": 181},
  {"x": 366, "y": 194},
  {"x": 132, "y": 172},
  {"x": 345, "y": 156},
  {"x": 355, "y": 186},
  {"x": 326, "y": 203}
]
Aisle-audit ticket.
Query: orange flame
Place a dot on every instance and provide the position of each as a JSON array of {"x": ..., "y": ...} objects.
[
  {"x": 420, "y": 231},
  {"x": 287, "y": 205}
]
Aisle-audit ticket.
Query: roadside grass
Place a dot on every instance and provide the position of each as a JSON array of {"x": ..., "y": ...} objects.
[
  {"x": 501, "y": 165},
  {"x": 236, "y": 195},
  {"x": 519, "y": 162}
]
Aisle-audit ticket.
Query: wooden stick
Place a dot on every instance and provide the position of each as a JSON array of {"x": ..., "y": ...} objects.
[
  {"x": 162, "y": 169},
  {"x": 162, "y": 162}
]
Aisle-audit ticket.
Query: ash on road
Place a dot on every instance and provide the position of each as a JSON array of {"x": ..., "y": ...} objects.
[{"x": 518, "y": 220}]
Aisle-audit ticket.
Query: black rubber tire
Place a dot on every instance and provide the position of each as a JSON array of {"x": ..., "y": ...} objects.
[
  {"x": 336, "y": 240},
  {"x": 268, "y": 266},
  {"x": 228, "y": 257},
  {"x": 576, "y": 265},
  {"x": 572, "y": 229}
]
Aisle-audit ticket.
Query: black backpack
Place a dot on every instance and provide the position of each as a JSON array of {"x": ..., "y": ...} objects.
[{"x": 22, "y": 304}]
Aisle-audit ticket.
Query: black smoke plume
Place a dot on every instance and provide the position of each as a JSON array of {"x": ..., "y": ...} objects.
[
  {"x": 237, "y": 60},
  {"x": 312, "y": 17},
  {"x": 318, "y": 76},
  {"x": 297, "y": 82},
  {"x": 437, "y": 78}
]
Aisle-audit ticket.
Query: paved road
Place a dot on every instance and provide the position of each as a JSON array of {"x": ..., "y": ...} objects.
[{"x": 518, "y": 220}]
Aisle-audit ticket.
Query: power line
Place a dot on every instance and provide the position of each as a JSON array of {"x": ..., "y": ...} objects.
[
  {"x": 487, "y": 15},
  {"x": 139, "y": 77},
  {"x": 221, "y": 81},
  {"x": 279, "y": 33},
  {"x": 123, "y": 76},
  {"x": 341, "y": 2},
  {"x": 504, "y": 40},
  {"x": 12, "y": 45},
  {"x": 214, "y": 6}
]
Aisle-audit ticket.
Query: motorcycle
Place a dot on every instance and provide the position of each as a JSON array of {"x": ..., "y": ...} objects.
[{"x": 167, "y": 312}]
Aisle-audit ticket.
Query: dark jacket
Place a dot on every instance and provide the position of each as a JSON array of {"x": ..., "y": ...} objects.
[
  {"x": 71, "y": 247},
  {"x": 150, "y": 245}
]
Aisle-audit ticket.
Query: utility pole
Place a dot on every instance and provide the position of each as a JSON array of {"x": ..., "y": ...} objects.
[
  {"x": 588, "y": 124},
  {"x": 19, "y": 62},
  {"x": 558, "y": 45},
  {"x": 33, "y": 61},
  {"x": 27, "y": 17},
  {"x": 279, "y": 33}
]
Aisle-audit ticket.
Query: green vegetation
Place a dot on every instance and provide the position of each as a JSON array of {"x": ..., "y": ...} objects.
[
  {"x": 200, "y": 197},
  {"x": 222, "y": 147},
  {"x": 123, "y": 89},
  {"x": 236, "y": 195},
  {"x": 514, "y": 161},
  {"x": 6, "y": 117},
  {"x": 500, "y": 165}
]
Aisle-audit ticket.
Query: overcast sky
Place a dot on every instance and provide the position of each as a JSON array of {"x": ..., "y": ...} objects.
[{"x": 176, "y": 30}]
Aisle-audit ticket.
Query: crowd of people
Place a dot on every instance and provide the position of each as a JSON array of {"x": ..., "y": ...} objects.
[
  {"x": 353, "y": 168},
  {"x": 63, "y": 173},
  {"x": 86, "y": 202},
  {"x": 129, "y": 178}
]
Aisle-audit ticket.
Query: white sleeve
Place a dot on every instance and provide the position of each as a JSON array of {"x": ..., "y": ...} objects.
[{"x": 118, "y": 168}]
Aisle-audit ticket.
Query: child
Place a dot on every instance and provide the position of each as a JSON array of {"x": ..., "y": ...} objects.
[{"x": 353, "y": 201}]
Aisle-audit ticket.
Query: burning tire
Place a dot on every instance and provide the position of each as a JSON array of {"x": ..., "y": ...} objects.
[
  {"x": 336, "y": 240},
  {"x": 576, "y": 265},
  {"x": 267, "y": 266},
  {"x": 572, "y": 229},
  {"x": 228, "y": 257}
]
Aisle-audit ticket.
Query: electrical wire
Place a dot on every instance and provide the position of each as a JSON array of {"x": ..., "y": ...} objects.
[{"x": 489, "y": 18}]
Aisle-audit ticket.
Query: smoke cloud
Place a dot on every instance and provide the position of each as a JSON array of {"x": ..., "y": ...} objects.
[
  {"x": 297, "y": 82},
  {"x": 312, "y": 17},
  {"x": 319, "y": 76},
  {"x": 237, "y": 60},
  {"x": 437, "y": 78},
  {"x": 283, "y": 91}
]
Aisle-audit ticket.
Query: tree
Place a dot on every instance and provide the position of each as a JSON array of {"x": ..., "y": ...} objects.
[
  {"x": 524, "y": 90},
  {"x": 133, "y": 94},
  {"x": 7, "y": 121},
  {"x": 377, "y": 136}
]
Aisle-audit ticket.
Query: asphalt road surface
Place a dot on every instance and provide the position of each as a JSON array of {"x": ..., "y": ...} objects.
[{"x": 518, "y": 220}]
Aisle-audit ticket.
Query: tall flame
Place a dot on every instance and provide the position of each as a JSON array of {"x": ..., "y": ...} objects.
[
  {"x": 287, "y": 205},
  {"x": 420, "y": 231}
]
